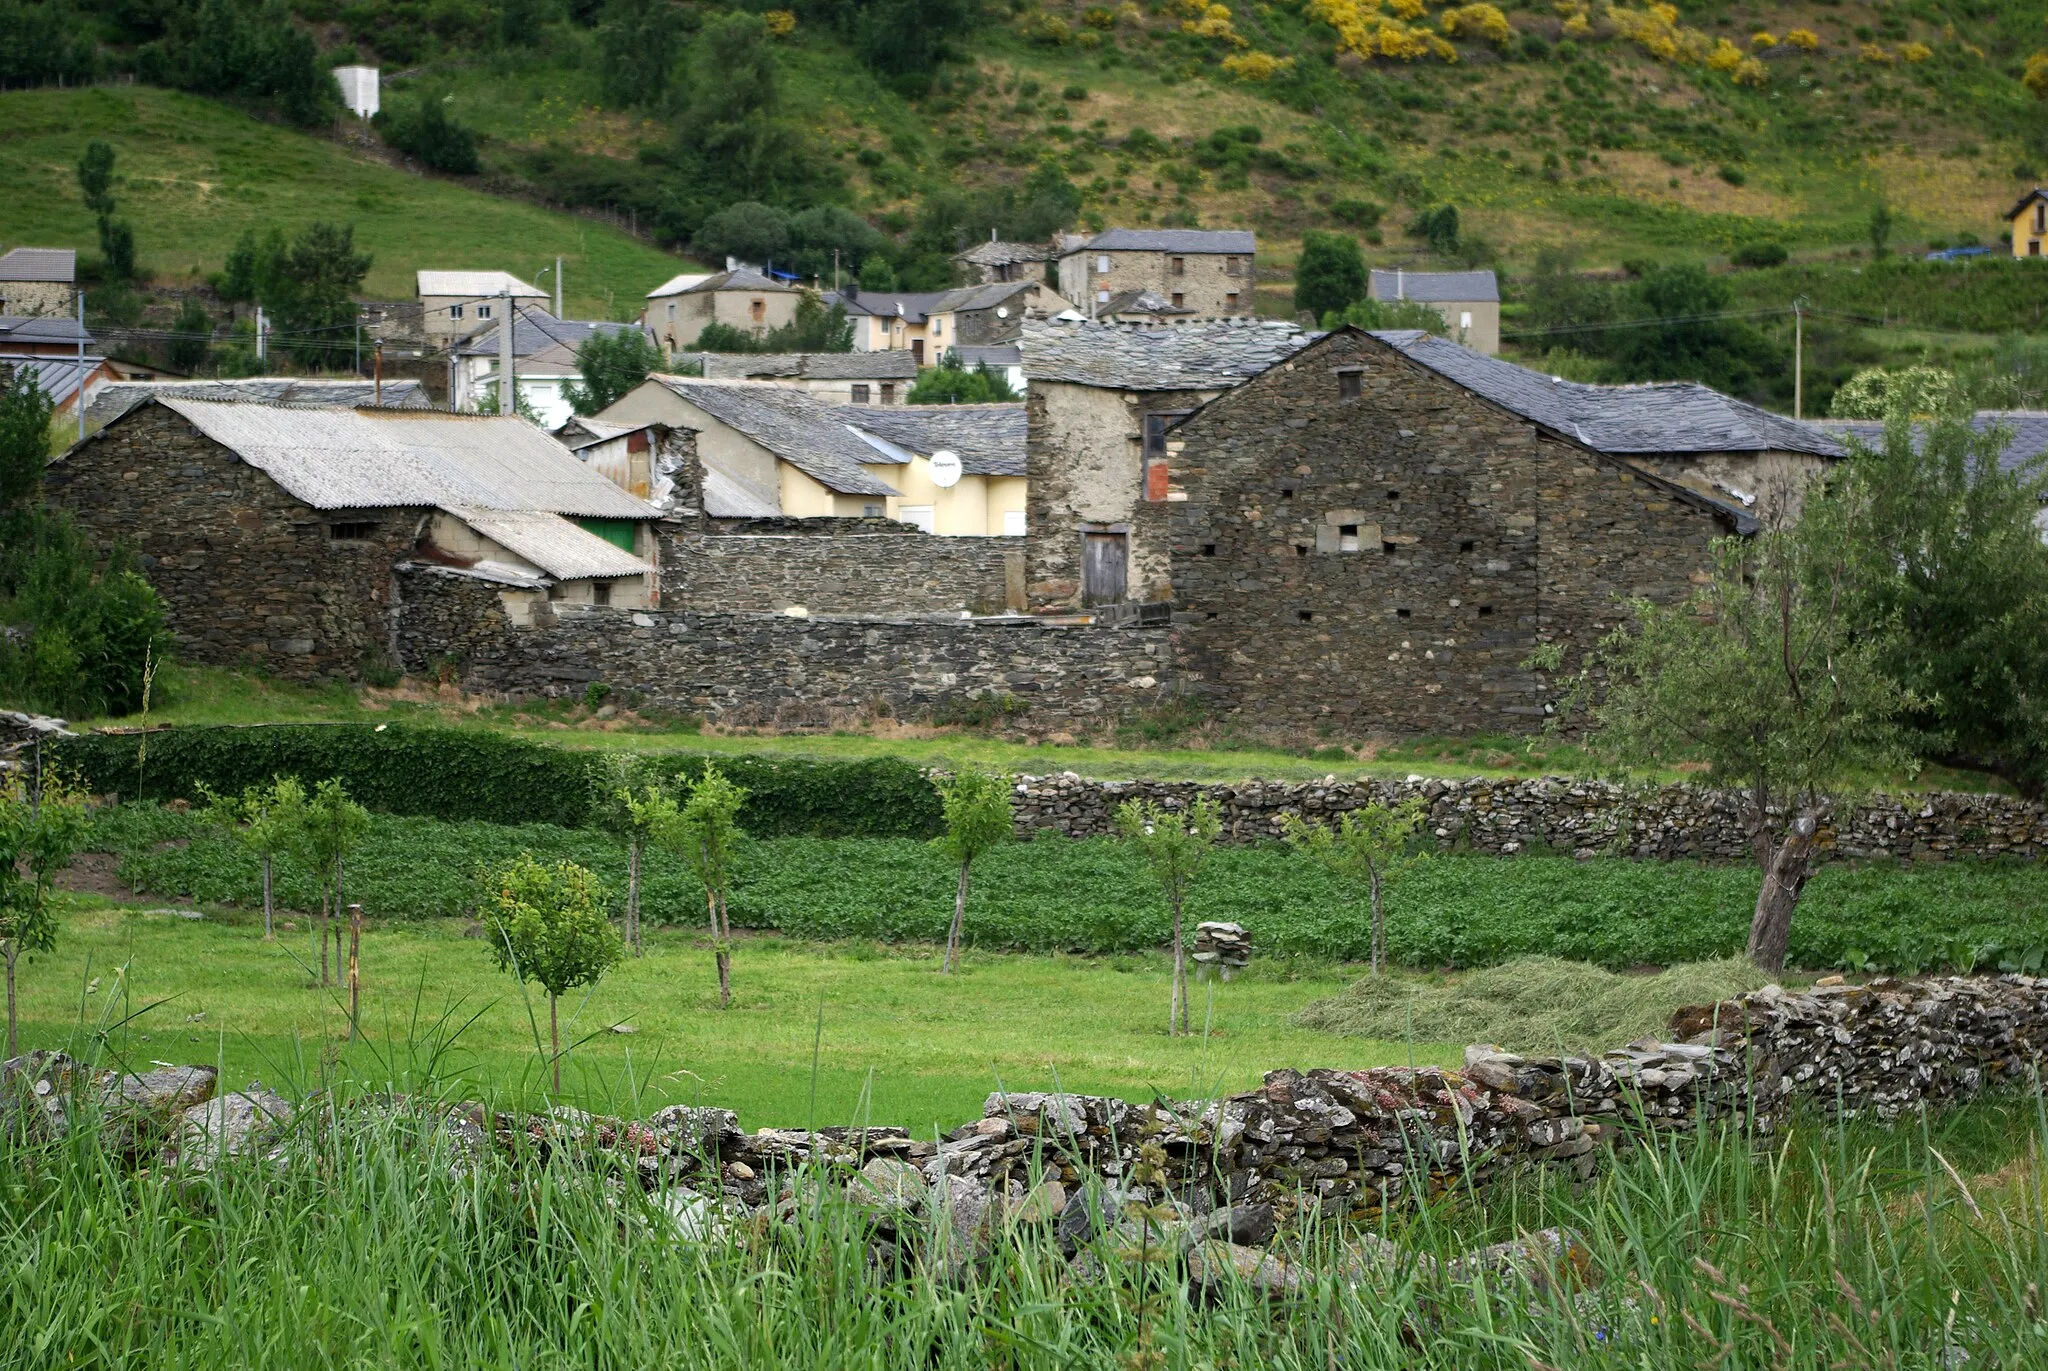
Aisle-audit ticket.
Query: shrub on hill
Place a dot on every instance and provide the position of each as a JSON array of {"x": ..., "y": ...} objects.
[{"x": 425, "y": 129}]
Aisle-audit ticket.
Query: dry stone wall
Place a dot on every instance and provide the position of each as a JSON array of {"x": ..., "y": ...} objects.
[
  {"x": 775, "y": 668},
  {"x": 1561, "y": 815},
  {"x": 847, "y": 572}
]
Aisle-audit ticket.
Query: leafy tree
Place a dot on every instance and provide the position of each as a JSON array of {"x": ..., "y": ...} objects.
[
  {"x": 247, "y": 49},
  {"x": 1390, "y": 314},
  {"x": 94, "y": 622},
  {"x": 96, "y": 186},
  {"x": 640, "y": 42},
  {"x": 44, "y": 44},
  {"x": 1763, "y": 674},
  {"x": 1877, "y": 393},
  {"x": 1879, "y": 227},
  {"x": 25, "y": 411},
  {"x": 1173, "y": 845},
  {"x": 813, "y": 328},
  {"x": 978, "y": 816},
  {"x": 1330, "y": 277},
  {"x": 268, "y": 820},
  {"x": 1687, "y": 341},
  {"x": 547, "y": 925},
  {"x": 523, "y": 23},
  {"x": 612, "y": 362},
  {"x": 721, "y": 337},
  {"x": 749, "y": 230},
  {"x": 1561, "y": 301},
  {"x": 1368, "y": 847},
  {"x": 192, "y": 342},
  {"x": 638, "y": 818},
  {"x": 427, "y": 130},
  {"x": 1438, "y": 227},
  {"x": 949, "y": 383},
  {"x": 816, "y": 233},
  {"x": 706, "y": 835},
  {"x": 311, "y": 291},
  {"x": 734, "y": 126},
  {"x": 251, "y": 265},
  {"x": 40, "y": 831},
  {"x": 1948, "y": 573},
  {"x": 877, "y": 275},
  {"x": 329, "y": 828}
]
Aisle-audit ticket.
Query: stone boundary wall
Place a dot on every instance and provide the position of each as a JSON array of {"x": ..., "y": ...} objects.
[
  {"x": 864, "y": 573},
  {"x": 755, "y": 669},
  {"x": 1563, "y": 815}
]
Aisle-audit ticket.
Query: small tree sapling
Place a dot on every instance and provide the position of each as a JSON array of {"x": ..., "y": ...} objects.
[
  {"x": 269, "y": 821},
  {"x": 977, "y": 812},
  {"x": 547, "y": 925},
  {"x": 1173, "y": 845},
  {"x": 332, "y": 826},
  {"x": 1367, "y": 847},
  {"x": 38, "y": 837},
  {"x": 706, "y": 834}
]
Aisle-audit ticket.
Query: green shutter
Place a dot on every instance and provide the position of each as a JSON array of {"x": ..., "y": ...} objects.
[{"x": 620, "y": 533}]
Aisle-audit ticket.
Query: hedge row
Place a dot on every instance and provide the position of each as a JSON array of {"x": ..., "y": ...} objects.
[{"x": 474, "y": 775}]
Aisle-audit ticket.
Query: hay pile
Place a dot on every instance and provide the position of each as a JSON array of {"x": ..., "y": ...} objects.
[{"x": 1530, "y": 1005}]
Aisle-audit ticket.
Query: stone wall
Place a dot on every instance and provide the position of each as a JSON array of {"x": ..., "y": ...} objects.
[
  {"x": 1387, "y": 562},
  {"x": 1562, "y": 815},
  {"x": 863, "y": 572},
  {"x": 773, "y": 668},
  {"x": 246, "y": 571}
]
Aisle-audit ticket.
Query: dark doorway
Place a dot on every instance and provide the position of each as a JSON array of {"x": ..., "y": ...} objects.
[
  {"x": 917, "y": 351},
  {"x": 1103, "y": 568}
]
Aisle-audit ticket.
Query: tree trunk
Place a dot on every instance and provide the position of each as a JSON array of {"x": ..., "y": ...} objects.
[
  {"x": 355, "y": 967},
  {"x": 1178, "y": 1022},
  {"x": 555, "y": 1039},
  {"x": 13, "y": 951},
  {"x": 959, "y": 917},
  {"x": 633, "y": 895},
  {"x": 1771, "y": 929},
  {"x": 321, "y": 926},
  {"x": 1379, "y": 925},
  {"x": 269, "y": 925},
  {"x": 724, "y": 927}
]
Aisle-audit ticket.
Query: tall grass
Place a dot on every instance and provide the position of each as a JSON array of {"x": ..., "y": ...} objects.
[{"x": 376, "y": 1241}]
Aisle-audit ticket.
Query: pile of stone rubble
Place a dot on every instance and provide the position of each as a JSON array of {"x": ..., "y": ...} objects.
[
  {"x": 1221, "y": 948},
  {"x": 1211, "y": 1182}
]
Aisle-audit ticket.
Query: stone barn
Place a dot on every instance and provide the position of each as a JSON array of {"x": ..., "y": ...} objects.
[
  {"x": 1359, "y": 541},
  {"x": 274, "y": 534}
]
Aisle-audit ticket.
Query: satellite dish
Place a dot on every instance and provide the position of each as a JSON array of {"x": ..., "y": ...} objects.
[
  {"x": 945, "y": 469},
  {"x": 1002, "y": 311}
]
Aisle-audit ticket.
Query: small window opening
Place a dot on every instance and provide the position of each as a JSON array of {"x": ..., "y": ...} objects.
[
  {"x": 600, "y": 592},
  {"x": 1485, "y": 610},
  {"x": 1393, "y": 495},
  {"x": 1347, "y": 385},
  {"x": 351, "y": 532},
  {"x": 1208, "y": 549},
  {"x": 1466, "y": 545},
  {"x": 1308, "y": 616},
  {"x": 1347, "y": 537},
  {"x": 860, "y": 395},
  {"x": 1387, "y": 548},
  {"x": 871, "y": 511},
  {"x": 1301, "y": 549},
  {"x": 1402, "y": 614},
  {"x": 1211, "y": 614},
  {"x": 1287, "y": 492}
]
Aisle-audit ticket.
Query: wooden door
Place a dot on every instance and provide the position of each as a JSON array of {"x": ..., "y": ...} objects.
[{"x": 1103, "y": 568}]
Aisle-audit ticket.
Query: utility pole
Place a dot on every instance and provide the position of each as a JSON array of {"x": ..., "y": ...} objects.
[
  {"x": 79, "y": 399},
  {"x": 378, "y": 384},
  {"x": 260, "y": 331},
  {"x": 558, "y": 287},
  {"x": 508, "y": 394},
  {"x": 835, "y": 271},
  {"x": 359, "y": 344},
  {"x": 1799, "y": 358}
]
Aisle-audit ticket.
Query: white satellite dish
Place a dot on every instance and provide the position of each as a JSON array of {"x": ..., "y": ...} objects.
[
  {"x": 945, "y": 469},
  {"x": 1002, "y": 311}
]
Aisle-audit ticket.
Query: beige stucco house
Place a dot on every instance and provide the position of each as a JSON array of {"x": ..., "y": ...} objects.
[
  {"x": 843, "y": 378},
  {"x": 455, "y": 304},
  {"x": 1468, "y": 300},
  {"x": 1208, "y": 272},
  {"x": 683, "y": 307},
  {"x": 926, "y": 323}
]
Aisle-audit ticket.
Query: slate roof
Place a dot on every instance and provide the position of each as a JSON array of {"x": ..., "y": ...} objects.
[
  {"x": 476, "y": 284},
  {"x": 1434, "y": 287},
  {"x": 998, "y": 356},
  {"x": 2027, "y": 433},
  {"x": 535, "y": 331},
  {"x": 988, "y": 438},
  {"x": 1236, "y": 242},
  {"x": 995, "y": 253},
  {"x": 118, "y": 397},
  {"x": 58, "y": 377},
  {"x": 1661, "y": 417},
  {"x": 739, "y": 278},
  {"x": 808, "y": 433},
  {"x": 917, "y": 306},
  {"x": 582, "y": 431},
  {"x": 2020, "y": 205},
  {"x": 42, "y": 330},
  {"x": 39, "y": 264},
  {"x": 893, "y": 365},
  {"x": 1212, "y": 355}
]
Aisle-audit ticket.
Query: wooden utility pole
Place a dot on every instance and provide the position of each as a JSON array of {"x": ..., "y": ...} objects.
[
  {"x": 377, "y": 361},
  {"x": 1799, "y": 358},
  {"x": 508, "y": 396}
]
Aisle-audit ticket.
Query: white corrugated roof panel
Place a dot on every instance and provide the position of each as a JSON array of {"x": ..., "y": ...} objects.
[
  {"x": 552, "y": 543},
  {"x": 476, "y": 284}
]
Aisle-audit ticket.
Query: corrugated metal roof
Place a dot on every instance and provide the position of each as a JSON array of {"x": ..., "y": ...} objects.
[
  {"x": 40, "y": 264},
  {"x": 552, "y": 543},
  {"x": 368, "y": 459},
  {"x": 476, "y": 284},
  {"x": 1433, "y": 287},
  {"x": 676, "y": 285},
  {"x": 58, "y": 377}
]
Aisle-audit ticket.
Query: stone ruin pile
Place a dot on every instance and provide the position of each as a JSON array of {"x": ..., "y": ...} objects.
[
  {"x": 22, "y": 734},
  {"x": 1213, "y": 1180},
  {"x": 1221, "y": 949}
]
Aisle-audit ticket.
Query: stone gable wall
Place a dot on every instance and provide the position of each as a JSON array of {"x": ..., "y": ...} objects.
[
  {"x": 865, "y": 572},
  {"x": 247, "y": 572},
  {"x": 775, "y": 669},
  {"x": 1562, "y": 815},
  {"x": 1470, "y": 540}
]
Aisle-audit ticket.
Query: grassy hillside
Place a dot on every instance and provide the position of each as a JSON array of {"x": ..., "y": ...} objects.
[{"x": 194, "y": 173}]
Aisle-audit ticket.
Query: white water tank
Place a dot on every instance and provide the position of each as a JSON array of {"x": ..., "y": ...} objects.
[{"x": 358, "y": 89}]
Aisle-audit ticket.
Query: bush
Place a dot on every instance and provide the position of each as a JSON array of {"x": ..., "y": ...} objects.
[
  {"x": 1759, "y": 255},
  {"x": 471, "y": 774},
  {"x": 426, "y": 131}
]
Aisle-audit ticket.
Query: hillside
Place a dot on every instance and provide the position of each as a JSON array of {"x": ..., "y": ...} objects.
[{"x": 1602, "y": 137}]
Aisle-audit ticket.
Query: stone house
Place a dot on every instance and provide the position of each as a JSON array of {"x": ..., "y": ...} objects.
[
  {"x": 36, "y": 283},
  {"x": 681, "y": 308},
  {"x": 1469, "y": 301},
  {"x": 454, "y": 304},
  {"x": 926, "y": 323},
  {"x": 1205, "y": 270},
  {"x": 1680, "y": 430},
  {"x": 1360, "y": 541},
  {"x": 843, "y": 378},
  {"x": 987, "y": 264},
  {"x": 274, "y": 534},
  {"x": 1099, "y": 401},
  {"x": 544, "y": 362}
]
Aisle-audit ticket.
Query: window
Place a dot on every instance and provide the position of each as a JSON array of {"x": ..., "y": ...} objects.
[
  {"x": 600, "y": 592},
  {"x": 888, "y": 392},
  {"x": 1307, "y": 616},
  {"x": 2040, "y": 217},
  {"x": 1287, "y": 492},
  {"x": 1466, "y": 545},
  {"x": 1348, "y": 385},
  {"x": 483, "y": 311},
  {"x": 1388, "y": 549},
  {"x": 351, "y": 532},
  {"x": 1393, "y": 495},
  {"x": 1301, "y": 549},
  {"x": 1401, "y": 614},
  {"x": 1347, "y": 537},
  {"x": 758, "y": 310},
  {"x": 1230, "y": 302},
  {"x": 870, "y": 511},
  {"x": 1101, "y": 297},
  {"x": 1158, "y": 479},
  {"x": 1179, "y": 300},
  {"x": 1102, "y": 264},
  {"x": 1180, "y": 266},
  {"x": 938, "y": 328},
  {"x": 1485, "y": 610},
  {"x": 1208, "y": 549},
  {"x": 455, "y": 311},
  {"x": 1232, "y": 267},
  {"x": 860, "y": 395},
  {"x": 1013, "y": 523},
  {"x": 671, "y": 309}
]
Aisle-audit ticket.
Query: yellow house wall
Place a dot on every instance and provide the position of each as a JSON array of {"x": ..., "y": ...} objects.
[
  {"x": 971, "y": 508},
  {"x": 2030, "y": 231},
  {"x": 723, "y": 448}
]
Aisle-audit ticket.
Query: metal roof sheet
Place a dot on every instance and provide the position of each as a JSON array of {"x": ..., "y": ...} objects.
[
  {"x": 472, "y": 285},
  {"x": 43, "y": 328},
  {"x": 1433, "y": 287},
  {"x": 39, "y": 264},
  {"x": 554, "y": 544},
  {"x": 58, "y": 377}
]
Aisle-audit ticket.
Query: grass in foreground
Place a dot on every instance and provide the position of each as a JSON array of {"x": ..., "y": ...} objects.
[
  {"x": 814, "y": 1029},
  {"x": 1921, "y": 1246}
]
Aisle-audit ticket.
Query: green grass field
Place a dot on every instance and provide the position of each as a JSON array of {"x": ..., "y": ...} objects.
[
  {"x": 899, "y": 1042},
  {"x": 193, "y": 174}
]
